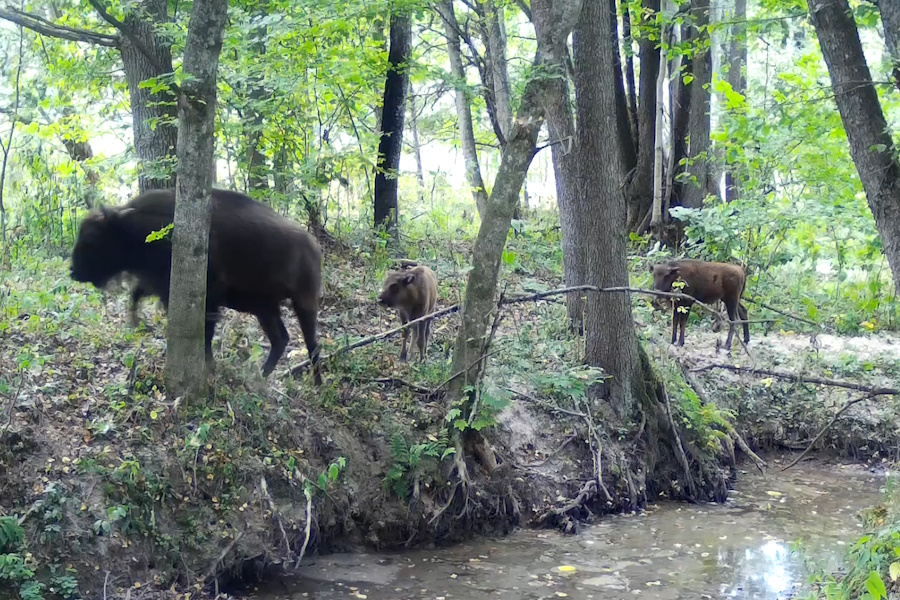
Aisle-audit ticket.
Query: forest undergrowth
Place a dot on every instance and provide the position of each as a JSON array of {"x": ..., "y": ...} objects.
[{"x": 109, "y": 486}]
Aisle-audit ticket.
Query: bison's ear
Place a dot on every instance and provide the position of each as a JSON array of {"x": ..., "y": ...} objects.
[
  {"x": 409, "y": 278},
  {"x": 650, "y": 268}
]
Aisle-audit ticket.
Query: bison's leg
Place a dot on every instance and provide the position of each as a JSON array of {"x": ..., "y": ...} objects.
[
  {"x": 136, "y": 295},
  {"x": 731, "y": 305},
  {"x": 742, "y": 311},
  {"x": 307, "y": 313},
  {"x": 422, "y": 340},
  {"x": 403, "y": 355},
  {"x": 682, "y": 322},
  {"x": 273, "y": 326},
  {"x": 212, "y": 317},
  {"x": 427, "y": 336}
]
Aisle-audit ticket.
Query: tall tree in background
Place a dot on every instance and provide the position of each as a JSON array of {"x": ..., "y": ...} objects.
[
  {"x": 871, "y": 144},
  {"x": 393, "y": 110},
  {"x": 640, "y": 195},
  {"x": 698, "y": 130},
  {"x": 254, "y": 122},
  {"x": 146, "y": 55},
  {"x": 609, "y": 329},
  {"x": 463, "y": 106},
  {"x": 190, "y": 236},
  {"x": 890, "y": 20},
  {"x": 737, "y": 75}
]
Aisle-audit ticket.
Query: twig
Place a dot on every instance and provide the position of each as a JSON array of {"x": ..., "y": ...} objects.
[
  {"x": 105, "y": 582},
  {"x": 396, "y": 381},
  {"x": 559, "y": 449},
  {"x": 308, "y": 530},
  {"x": 830, "y": 423},
  {"x": 849, "y": 385},
  {"x": 679, "y": 448},
  {"x": 460, "y": 372},
  {"x": 212, "y": 568},
  {"x": 785, "y": 314}
]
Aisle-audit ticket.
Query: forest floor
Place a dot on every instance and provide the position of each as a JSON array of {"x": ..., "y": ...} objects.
[{"x": 129, "y": 492}]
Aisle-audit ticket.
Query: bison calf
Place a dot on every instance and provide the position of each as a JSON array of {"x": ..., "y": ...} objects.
[
  {"x": 257, "y": 259},
  {"x": 413, "y": 293},
  {"x": 708, "y": 282}
]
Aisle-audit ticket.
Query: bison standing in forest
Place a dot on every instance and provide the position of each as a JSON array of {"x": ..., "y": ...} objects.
[
  {"x": 708, "y": 282},
  {"x": 414, "y": 294},
  {"x": 257, "y": 259}
]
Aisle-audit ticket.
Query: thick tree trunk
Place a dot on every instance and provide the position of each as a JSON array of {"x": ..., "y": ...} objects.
[
  {"x": 609, "y": 329},
  {"x": 641, "y": 189},
  {"x": 890, "y": 19},
  {"x": 154, "y": 116},
  {"x": 679, "y": 113},
  {"x": 496, "y": 40},
  {"x": 481, "y": 284},
  {"x": 463, "y": 107},
  {"x": 737, "y": 78},
  {"x": 190, "y": 236},
  {"x": 561, "y": 130},
  {"x": 630, "y": 89},
  {"x": 871, "y": 145},
  {"x": 394, "y": 108},
  {"x": 698, "y": 120},
  {"x": 658, "y": 212}
]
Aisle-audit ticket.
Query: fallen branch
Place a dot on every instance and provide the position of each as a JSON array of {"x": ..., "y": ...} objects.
[
  {"x": 692, "y": 381},
  {"x": 830, "y": 423},
  {"x": 849, "y": 385}
]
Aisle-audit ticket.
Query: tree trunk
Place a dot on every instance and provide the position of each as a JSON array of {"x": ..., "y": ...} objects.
[
  {"x": 391, "y": 145},
  {"x": 190, "y": 236},
  {"x": 698, "y": 120},
  {"x": 254, "y": 123},
  {"x": 871, "y": 145},
  {"x": 890, "y": 19},
  {"x": 623, "y": 129},
  {"x": 496, "y": 42},
  {"x": 416, "y": 146},
  {"x": 481, "y": 283},
  {"x": 154, "y": 115},
  {"x": 609, "y": 328},
  {"x": 630, "y": 89},
  {"x": 679, "y": 114},
  {"x": 641, "y": 189},
  {"x": 463, "y": 108},
  {"x": 737, "y": 64},
  {"x": 561, "y": 131}
]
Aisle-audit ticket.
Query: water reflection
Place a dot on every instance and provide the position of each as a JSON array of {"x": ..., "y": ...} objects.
[{"x": 669, "y": 552}]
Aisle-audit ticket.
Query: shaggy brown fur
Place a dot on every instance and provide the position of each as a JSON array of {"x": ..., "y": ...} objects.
[
  {"x": 414, "y": 294},
  {"x": 257, "y": 258},
  {"x": 708, "y": 282}
]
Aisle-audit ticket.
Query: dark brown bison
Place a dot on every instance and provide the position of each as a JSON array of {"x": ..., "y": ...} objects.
[
  {"x": 257, "y": 259},
  {"x": 708, "y": 282},
  {"x": 413, "y": 294}
]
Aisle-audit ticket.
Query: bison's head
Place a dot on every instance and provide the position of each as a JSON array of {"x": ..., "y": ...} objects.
[
  {"x": 398, "y": 290},
  {"x": 99, "y": 252},
  {"x": 664, "y": 275}
]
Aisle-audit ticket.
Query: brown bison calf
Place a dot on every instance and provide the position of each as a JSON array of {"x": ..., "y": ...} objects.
[
  {"x": 708, "y": 282},
  {"x": 257, "y": 259},
  {"x": 413, "y": 293}
]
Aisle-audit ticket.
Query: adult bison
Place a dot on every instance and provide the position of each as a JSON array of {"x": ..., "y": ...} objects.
[{"x": 257, "y": 258}]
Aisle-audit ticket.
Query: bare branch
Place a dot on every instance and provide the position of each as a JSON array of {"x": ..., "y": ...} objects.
[
  {"x": 848, "y": 385},
  {"x": 45, "y": 27}
]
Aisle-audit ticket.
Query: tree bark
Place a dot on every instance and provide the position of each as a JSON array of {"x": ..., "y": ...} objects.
[
  {"x": 698, "y": 118},
  {"x": 481, "y": 283},
  {"x": 658, "y": 212},
  {"x": 630, "y": 89},
  {"x": 254, "y": 123},
  {"x": 890, "y": 19},
  {"x": 609, "y": 329},
  {"x": 871, "y": 144},
  {"x": 463, "y": 107},
  {"x": 496, "y": 43},
  {"x": 679, "y": 113},
  {"x": 394, "y": 108},
  {"x": 737, "y": 64},
  {"x": 561, "y": 130},
  {"x": 190, "y": 236},
  {"x": 641, "y": 189},
  {"x": 145, "y": 55}
]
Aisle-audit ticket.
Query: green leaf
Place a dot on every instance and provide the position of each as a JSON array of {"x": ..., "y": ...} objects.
[{"x": 876, "y": 586}]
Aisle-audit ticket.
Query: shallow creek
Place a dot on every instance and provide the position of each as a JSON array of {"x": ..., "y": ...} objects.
[{"x": 742, "y": 549}]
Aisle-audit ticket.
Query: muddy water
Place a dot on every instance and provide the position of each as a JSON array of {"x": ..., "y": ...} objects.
[{"x": 742, "y": 549}]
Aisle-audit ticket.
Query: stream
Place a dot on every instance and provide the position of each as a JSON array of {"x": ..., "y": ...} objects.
[{"x": 670, "y": 551}]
